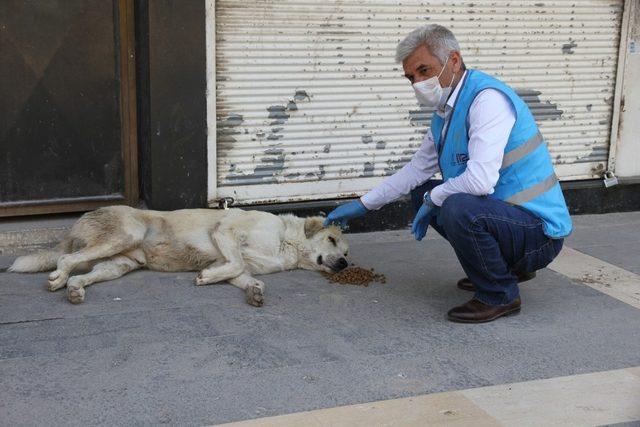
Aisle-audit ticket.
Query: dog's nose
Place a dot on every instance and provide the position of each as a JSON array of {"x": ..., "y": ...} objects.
[{"x": 342, "y": 263}]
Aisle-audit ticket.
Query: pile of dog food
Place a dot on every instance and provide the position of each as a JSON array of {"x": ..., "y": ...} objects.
[{"x": 355, "y": 276}]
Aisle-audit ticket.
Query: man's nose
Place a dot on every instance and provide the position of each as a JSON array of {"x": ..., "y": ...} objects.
[{"x": 342, "y": 263}]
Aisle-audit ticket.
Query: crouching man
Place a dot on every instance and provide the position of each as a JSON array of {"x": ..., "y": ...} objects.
[{"x": 500, "y": 204}]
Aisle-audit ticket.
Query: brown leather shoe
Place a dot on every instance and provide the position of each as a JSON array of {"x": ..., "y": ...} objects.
[
  {"x": 466, "y": 285},
  {"x": 475, "y": 311}
]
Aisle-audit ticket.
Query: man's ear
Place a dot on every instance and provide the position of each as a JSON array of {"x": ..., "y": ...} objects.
[
  {"x": 312, "y": 225},
  {"x": 456, "y": 61}
]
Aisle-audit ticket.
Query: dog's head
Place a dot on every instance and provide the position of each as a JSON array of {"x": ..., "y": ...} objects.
[{"x": 327, "y": 248}]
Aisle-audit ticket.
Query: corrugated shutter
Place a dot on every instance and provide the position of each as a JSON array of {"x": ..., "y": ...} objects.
[{"x": 311, "y": 105}]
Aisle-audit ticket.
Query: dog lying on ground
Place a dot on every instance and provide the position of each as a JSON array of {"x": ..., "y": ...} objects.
[{"x": 225, "y": 245}]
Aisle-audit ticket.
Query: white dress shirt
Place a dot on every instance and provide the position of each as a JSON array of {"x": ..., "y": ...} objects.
[{"x": 491, "y": 118}]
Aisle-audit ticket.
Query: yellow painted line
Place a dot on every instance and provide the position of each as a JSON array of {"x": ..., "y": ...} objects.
[
  {"x": 600, "y": 275},
  {"x": 589, "y": 399}
]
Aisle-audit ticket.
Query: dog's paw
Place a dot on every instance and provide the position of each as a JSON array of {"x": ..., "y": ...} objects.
[
  {"x": 202, "y": 280},
  {"x": 207, "y": 279},
  {"x": 75, "y": 295},
  {"x": 255, "y": 294},
  {"x": 57, "y": 280}
]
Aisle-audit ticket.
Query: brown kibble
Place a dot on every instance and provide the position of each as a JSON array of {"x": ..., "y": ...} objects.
[{"x": 355, "y": 276}]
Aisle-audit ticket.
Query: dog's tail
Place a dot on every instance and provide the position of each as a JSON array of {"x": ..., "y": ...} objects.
[{"x": 40, "y": 261}]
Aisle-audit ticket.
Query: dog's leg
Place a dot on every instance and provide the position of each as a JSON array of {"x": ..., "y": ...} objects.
[
  {"x": 111, "y": 269},
  {"x": 67, "y": 263},
  {"x": 230, "y": 250},
  {"x": 252, "y": 287}
]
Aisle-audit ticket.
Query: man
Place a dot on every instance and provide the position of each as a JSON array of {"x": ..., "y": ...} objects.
[{"x": 500, "y": 204}]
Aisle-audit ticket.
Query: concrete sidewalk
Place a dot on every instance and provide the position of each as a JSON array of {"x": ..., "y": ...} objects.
[{"x": 152, "y": 348}]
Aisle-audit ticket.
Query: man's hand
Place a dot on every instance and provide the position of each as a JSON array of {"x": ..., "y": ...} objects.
[
  {"x": 342, "y": 214},
  {"x": 424, "y": 216}
]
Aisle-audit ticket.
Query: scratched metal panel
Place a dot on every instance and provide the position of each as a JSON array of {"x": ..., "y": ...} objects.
[
  {"x": 308, "y": 92},
  {"x": 60, "y": 127}
]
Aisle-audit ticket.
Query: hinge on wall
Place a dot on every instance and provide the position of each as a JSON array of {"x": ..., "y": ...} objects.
[{"x": 610, "y": 179}]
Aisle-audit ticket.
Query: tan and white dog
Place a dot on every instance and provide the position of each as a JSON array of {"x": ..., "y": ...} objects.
[{"x": 225, "y": 245}]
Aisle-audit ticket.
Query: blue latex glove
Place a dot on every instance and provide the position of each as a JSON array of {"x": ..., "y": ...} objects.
[
  {"x": 343, "y": 213},
  {"x": 424, "y": 216}
]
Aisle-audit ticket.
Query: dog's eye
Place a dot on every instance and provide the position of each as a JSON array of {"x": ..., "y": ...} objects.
[
  {"x": 345, "y": 254},
  {"x": 332, "y": 240}
]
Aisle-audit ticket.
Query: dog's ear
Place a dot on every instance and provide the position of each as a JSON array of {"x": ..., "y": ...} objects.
[{"x": 312, "y": 225}]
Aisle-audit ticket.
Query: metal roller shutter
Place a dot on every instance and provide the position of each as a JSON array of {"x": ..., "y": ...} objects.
[{"x": 310, "y": 104}]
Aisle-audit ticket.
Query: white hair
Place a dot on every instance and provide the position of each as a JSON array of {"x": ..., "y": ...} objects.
[{"x": 438, "y": 39}]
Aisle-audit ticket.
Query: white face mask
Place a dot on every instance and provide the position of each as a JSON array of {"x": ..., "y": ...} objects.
[{"x": 430, "y": 93}]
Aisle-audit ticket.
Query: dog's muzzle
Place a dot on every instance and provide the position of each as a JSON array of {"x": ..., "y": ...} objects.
[{"x": 339, "y": 265}]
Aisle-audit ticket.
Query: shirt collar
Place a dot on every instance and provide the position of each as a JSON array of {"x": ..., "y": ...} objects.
[{"x": 452, "y": 99}]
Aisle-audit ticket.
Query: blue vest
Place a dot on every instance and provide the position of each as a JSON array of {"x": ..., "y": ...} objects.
[{"x": 526, "y": 178}]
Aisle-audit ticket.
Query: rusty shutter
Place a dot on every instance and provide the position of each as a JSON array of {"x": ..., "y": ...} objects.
[{"x": 310, "y": 105}]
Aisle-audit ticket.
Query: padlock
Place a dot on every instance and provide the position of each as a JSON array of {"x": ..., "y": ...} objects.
[
  {"x": 610, "y": 179},
  {"x": 225, "y": 202}
]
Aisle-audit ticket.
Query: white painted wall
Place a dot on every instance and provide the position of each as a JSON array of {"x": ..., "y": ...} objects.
[{"x": 627, "y": 155}]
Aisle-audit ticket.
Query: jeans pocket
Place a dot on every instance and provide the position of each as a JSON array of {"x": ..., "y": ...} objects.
[{"x": 539, "y": 258}]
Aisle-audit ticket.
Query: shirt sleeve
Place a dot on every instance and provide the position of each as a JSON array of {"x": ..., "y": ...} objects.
[
  {"x": 491, "y": 118},
  {"x": 420, "y": 169}
]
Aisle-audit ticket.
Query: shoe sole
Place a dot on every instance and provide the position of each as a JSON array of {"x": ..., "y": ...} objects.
[{"x": 511, "y": 312}]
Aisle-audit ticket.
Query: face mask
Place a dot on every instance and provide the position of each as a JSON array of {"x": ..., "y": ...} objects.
[{"x": 429, "y": 92}]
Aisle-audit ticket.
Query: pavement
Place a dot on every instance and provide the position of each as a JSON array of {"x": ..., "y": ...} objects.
[{"x": 152, "y": 348}]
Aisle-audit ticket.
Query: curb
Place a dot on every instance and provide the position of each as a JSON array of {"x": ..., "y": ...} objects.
[
  {"x": 20, "y": 242},
  {"x": 18, "y": 237}
]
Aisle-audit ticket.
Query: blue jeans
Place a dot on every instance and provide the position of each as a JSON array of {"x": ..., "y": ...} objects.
[{"x": 493, "y": 240}]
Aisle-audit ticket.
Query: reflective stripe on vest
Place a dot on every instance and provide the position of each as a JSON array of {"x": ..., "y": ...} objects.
[
  {"x": 533, "y": 192},
  {"x": 528, "y": 147}
]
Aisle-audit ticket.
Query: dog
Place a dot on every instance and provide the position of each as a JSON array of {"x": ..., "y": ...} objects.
[{"x": 223, "y": 245}]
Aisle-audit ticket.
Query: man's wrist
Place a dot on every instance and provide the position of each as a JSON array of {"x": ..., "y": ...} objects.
[
  {"x": 366, "y": 209},
  {"x": 427, "y": 200}
]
